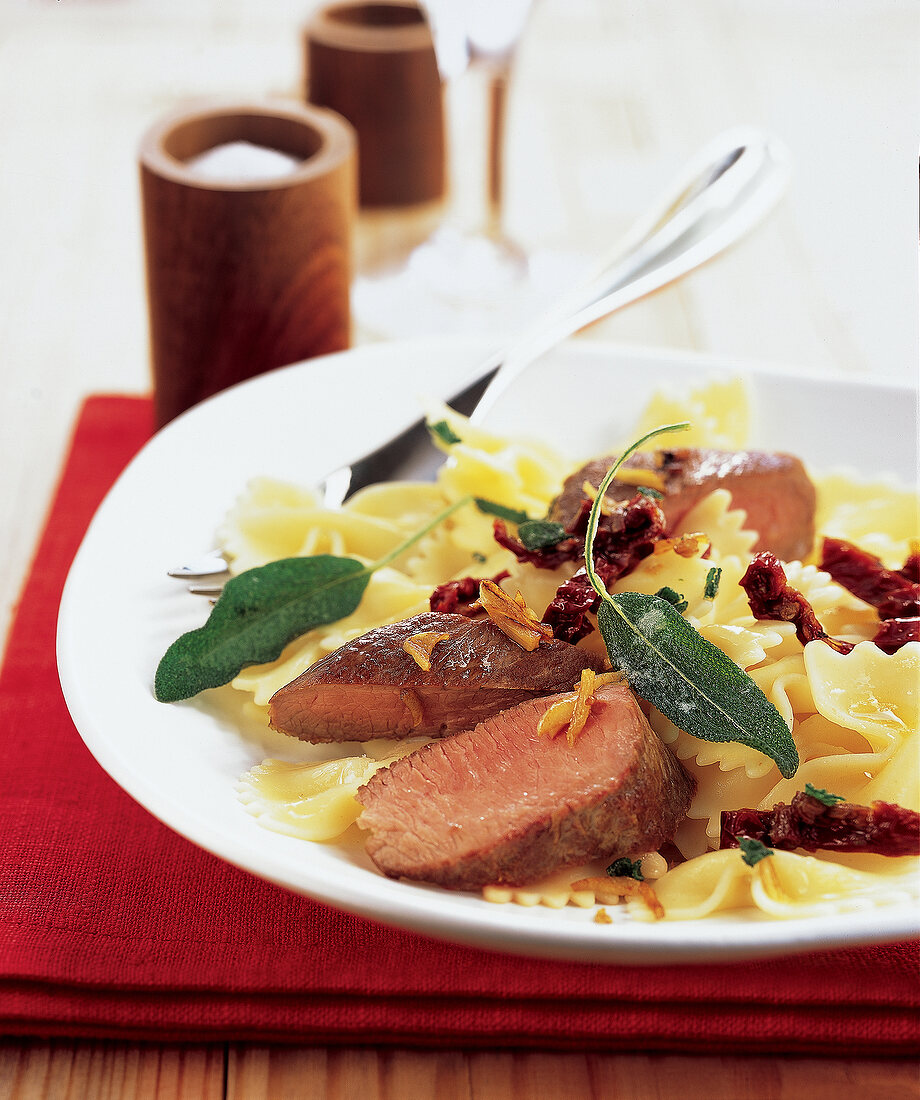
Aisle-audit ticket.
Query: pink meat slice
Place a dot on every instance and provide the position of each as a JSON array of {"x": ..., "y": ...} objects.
[
  {"x": 371, "y": 688},
  {"x": 773, "y": 489},
  {"x": 499, "y": 805}
]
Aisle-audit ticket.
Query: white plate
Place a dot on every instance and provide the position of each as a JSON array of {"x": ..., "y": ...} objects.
[{"x": 182, "y": 761}]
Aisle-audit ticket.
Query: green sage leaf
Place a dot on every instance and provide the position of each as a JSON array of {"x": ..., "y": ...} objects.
[
  {"x": 263, "y": 609},
  {"x": 670, "y": 664},
  {"x": 258, "y": 613},
  {"x": 490, "y": 508},
  {"x": 673, "y": 597},
  {"x": 443, "y": 431},
  {"x": 624, "y": 867},
  {"x": 823, "y": 796},
  {"x": 538, "y": 533},
  {"x": 752, "y": 851},
  {"x": 690, "y": 680}
]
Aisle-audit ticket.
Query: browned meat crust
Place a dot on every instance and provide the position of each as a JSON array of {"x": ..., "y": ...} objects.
[
  {"x": 371, "y": 688},
  {"x": 773, "y": 489}
]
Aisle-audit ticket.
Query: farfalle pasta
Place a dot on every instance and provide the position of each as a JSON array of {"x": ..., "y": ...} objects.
[
  {"x": 854, "y": 717},
  {"x": 805, "y": 886}
]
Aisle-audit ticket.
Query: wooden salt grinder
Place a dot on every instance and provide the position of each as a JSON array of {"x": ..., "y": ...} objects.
[
  {"x": 245, "y": 275},
  {"x": 373, "y": 62}
]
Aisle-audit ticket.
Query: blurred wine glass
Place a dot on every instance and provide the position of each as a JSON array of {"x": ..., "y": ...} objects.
[{"x": 468, "y": 276}]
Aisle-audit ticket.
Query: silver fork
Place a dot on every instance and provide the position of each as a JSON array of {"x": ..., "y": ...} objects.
[
  {"x": 212, "y": 567},
  {"x": 728, "y": 187}
]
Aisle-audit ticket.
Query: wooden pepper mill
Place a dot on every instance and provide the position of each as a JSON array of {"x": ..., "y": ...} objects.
[
  {"x": 373, "y": 62},
  {"x": 246, "y": 271}
]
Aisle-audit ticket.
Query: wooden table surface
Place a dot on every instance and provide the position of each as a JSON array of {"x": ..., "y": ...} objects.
[{"x": 608, "y": 100}]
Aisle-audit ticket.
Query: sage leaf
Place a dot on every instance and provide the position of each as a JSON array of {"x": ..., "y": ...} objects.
[
  {"x": 753, "y": 851},
  {"x": 675, "y": 668},
  {"x": 258, "y": 613},
  {"x": 674, "y": 598},
  {"x": 713, "y": 579},
  {"x": 823, "y": 796},
  {"x": 690, "y": 680},
  {"x": 535, "y": 534},
  {"x": 263, "y": 609},
  {"x": 490, "y": 508},
  {"x": 443, "y": 431},
  {"x": 624, "y": 867}
]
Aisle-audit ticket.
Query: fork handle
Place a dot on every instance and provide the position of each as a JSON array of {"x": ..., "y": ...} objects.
[{"x": 727, "y": 189}]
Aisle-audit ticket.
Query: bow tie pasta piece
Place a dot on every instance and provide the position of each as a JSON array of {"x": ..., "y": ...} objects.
[{"x": 721, "y": 882}]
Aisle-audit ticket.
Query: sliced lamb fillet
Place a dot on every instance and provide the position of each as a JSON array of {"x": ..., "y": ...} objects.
[
  {"x": 773, "y": 489},
  {"x": 371, "y": 688},
  {"x": 500, "y": 805}
]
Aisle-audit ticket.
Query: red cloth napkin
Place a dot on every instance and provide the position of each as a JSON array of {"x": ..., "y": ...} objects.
[{"x": 111, "y": 925}]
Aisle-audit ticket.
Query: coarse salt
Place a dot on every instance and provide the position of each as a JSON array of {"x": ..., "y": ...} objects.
[{"x": 242, "y": 160}]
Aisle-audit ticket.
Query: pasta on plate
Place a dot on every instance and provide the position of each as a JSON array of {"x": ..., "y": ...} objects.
[{"x": 854, "y": 717}]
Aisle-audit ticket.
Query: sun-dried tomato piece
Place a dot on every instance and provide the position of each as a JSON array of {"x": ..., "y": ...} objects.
[
  {"x": 567, "y": 612},
  {"x": 910, "y": 570},
  {"x": 754, "y": 824},
  {"x": 893, "y": 633},
  {"x": 625, "y": 535},
  {"x": 771, "y": 597},
  {"x": 543, "y": 557},
  {"x": 900, "y": 605},
  {"x": 883, "y": 828},
  {"x": 461, "y": 597},
  {"x": 893, "y": 592}
]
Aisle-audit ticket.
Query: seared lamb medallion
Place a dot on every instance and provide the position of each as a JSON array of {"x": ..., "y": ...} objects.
[
  {"x": 773, "y": 489},
  {"x": 500, "y": 805},
  {"x": 371, "y": 687}
]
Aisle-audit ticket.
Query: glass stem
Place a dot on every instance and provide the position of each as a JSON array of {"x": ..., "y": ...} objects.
[
  {"x": 476, "y": 110},
  {"x": 497, "y": 94}
]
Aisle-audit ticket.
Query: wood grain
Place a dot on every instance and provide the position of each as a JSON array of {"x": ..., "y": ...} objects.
[
  {"x": 373, "y": 61},
  {"x": 244, "y": 276},
  {"x": 109, "y": 1070},
  {"x": 35, "y": 1070}
]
